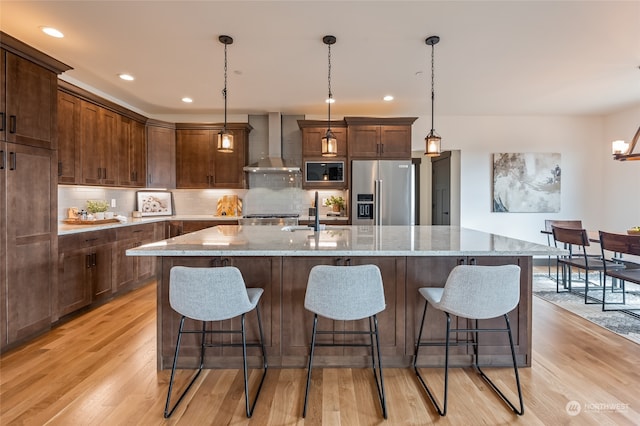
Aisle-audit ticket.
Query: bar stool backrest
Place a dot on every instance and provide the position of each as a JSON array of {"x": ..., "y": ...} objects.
[
  {"x": 345, "y": 292},
  {"x": 481, "y": 292},
  {"x": 208, "y": 294}
]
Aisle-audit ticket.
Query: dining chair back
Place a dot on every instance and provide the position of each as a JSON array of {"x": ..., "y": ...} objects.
[{"x": 626, "y": 252}]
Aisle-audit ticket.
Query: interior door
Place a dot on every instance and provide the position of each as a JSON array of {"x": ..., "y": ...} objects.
[{"x": 441, "y": 189}]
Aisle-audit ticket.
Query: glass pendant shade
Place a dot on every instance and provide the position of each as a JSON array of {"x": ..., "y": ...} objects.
[
  {"x": 225, "y": 141},
  {"x": 433, "y": 144},
  {"x": 619, "y": 147},
  {"x": 329, "y": 145},
  {"x": 623, "y": 151}
]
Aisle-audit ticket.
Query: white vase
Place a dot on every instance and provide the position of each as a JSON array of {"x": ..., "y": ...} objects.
[{"x": 99, "y": 215}]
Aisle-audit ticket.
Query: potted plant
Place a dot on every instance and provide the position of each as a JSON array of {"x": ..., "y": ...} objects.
[
  {"x": 336, "y": 203},
  {"x": 97, "y": 208}
]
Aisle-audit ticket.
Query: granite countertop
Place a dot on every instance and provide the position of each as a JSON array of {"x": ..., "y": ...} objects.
[
  {"x": 234, "y": 240},
  {"x": 65, "y": 228}
]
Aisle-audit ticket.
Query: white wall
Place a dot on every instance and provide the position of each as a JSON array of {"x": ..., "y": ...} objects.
[{"x": 585, "y": 148}]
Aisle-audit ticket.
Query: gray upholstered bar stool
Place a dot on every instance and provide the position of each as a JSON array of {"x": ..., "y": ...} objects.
[
  {"x": 213, "y": 294},
  {"x": 347, "y": 293},
  {"x": 474, "y": 292}
]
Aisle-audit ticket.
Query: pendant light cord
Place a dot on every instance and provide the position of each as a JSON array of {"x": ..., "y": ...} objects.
[
  {"x": 224, "y": 91},
  {"x": 433, "y": 93},
  {"x": 330, "y": 95}
]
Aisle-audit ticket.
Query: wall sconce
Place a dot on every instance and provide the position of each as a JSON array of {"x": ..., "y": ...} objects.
[{"x": 622, "y": 151}]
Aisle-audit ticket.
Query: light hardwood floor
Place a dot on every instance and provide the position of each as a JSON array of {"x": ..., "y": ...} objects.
[{"x": 101, "y": 369}]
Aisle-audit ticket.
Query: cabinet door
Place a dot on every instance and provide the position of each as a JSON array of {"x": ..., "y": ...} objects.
[
  {"x": 312, "y": 141},
  {"x": 194, "y": 158},
  {"x": 108, "y": 133},
  {"x": 161, "y": 157},
  {"x": 31, "y": 234},
  {"x": 227, "y": 166},
  {"x": 364, "y": 141},
  {"x": 3, "y": 235},
  {"x": 131, "y": 153},
  {"x": 31, "y": 103},
  {"x": 69, "y": 170},
  {"x": 74, "y": 275},
  {"x": 395, "y": 142},
  {"x": 102, "y": 271},
  {"x": 91, "y": 152}
]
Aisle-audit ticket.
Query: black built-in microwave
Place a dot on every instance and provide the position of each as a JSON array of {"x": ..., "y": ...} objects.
[{"x": 324, "y": 171}]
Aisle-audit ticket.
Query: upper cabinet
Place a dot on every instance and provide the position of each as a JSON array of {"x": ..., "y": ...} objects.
[
  {"x": 199, "y": 164},
  {"x": 132, "y": 151},
  {"x": 385, "y": 138},
  {"x": 99, "y": 143},
  {"x": 314, "y": 130},
  {"x": 28, "y": 101},
  {"x": 161, "y": 154}
]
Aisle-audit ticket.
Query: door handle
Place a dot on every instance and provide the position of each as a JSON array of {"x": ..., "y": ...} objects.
[{"x": 12, "y": 124}]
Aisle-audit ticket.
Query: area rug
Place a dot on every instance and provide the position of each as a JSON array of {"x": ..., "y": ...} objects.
[{"x": 624, "y": 324}]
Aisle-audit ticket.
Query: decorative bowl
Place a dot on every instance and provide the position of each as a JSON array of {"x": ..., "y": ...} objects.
[{"x": 633, "y": 231}]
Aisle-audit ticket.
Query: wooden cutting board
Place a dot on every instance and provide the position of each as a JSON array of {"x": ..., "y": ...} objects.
[
  {"x": 89, "y": 222},
  {"x": 229, "y": 205}
]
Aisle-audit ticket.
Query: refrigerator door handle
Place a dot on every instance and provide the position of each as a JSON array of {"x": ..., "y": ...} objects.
[{"x": 378, "y": 212}]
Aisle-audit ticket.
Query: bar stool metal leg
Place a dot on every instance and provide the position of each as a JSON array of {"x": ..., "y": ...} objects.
[{"x": 313, "y": 347}]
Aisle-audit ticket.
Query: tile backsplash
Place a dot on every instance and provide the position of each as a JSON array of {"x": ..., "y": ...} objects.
[{"x": 186, "y": 201}]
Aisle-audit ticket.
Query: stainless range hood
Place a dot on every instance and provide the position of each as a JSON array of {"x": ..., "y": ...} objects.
[{"x": 274, "y": 162}]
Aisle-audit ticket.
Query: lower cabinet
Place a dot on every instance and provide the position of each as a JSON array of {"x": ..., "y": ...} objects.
[
  {"x": 93, "y": 266},
  {"x": 132, "y": 270},
  {"x": 84, "y": 269}
]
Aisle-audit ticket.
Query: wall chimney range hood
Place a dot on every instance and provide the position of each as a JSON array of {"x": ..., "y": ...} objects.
[{"x": 273, "y": 163}]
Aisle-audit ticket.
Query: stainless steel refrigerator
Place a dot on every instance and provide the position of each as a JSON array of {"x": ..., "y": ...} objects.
[{"x": 382, "y": 192}]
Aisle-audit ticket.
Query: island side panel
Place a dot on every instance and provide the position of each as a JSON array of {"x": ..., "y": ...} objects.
[
  {"x": 433, "y": 272},
  {"x": 298, "y": 322},
  {"x": 261, "y": 272}
]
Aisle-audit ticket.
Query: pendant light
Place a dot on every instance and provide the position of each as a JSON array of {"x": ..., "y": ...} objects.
[
  {"x": 225, "y": 138},
  {"x": 433, "y": 139},
  {"x": 622, "y": 151},
  {"x": 329, "y": 143}
]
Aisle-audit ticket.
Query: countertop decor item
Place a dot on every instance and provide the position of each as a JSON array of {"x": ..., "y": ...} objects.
[
  {"x": 154, "y": 203},
  {"x": 337, "y": 203},
  {"x": 97, "y": 206}
]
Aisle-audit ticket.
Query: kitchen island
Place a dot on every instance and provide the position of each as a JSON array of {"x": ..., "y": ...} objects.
[{"x": 279, "y": 260}]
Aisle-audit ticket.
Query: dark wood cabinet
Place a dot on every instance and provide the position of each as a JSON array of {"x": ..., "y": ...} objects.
[
  {"x": 98, "y": 130},
  {"x": 161, "y": 155},
  {"x": 199, "y": 164},
  {"x": 84, "y": 270},
  {"x": 69, "y": 167},
  {"x": 132, "y": 153},
  {"x": 312, "y": 133},
  {"x": 29, "y": 227},
  {"x": 29, "y": 101},
  {"x": 385, "y": 138},
  {"x": 132, "y": 270}
]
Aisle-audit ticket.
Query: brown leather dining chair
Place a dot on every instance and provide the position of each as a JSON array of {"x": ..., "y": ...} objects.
[{"x": 626, "y": 270}]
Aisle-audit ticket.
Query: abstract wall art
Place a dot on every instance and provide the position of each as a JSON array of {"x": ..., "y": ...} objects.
[{"x": 526, "y": 182}]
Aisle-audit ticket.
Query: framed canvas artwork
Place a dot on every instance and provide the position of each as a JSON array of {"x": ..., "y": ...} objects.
[
  {"x": 154, "y": 203},
  {"x": 526, "y": 182}
]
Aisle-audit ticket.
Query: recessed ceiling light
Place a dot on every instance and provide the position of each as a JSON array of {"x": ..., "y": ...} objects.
[
  {"x": 187, "y": 100},
  {"x": 388, "y": 98},
  {"x": 330, "y": 100},
  {"x": 52, "y": 32},
  {"x": 127, "y": 77}
]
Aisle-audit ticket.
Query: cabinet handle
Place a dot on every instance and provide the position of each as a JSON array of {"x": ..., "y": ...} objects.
[
  {"x": 13, "y": 162},
  {"x": 381, "y": 148},
  {"x": 2, "y": 159},
  {"x": 88, "y": 259},
  {"x": 59, "y": 168},
  {"x": 149, "y": 178},
  {"x": 99, "y": 173},
  {"x": 2, "y": 120},
  {"x": 95, "y": 259},
  {"x": 12, "y": 124},
  {"x": 105, "y": 173}
]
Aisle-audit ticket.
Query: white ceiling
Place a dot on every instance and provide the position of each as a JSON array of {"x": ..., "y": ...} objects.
[{"x": 494, "y": 57}]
